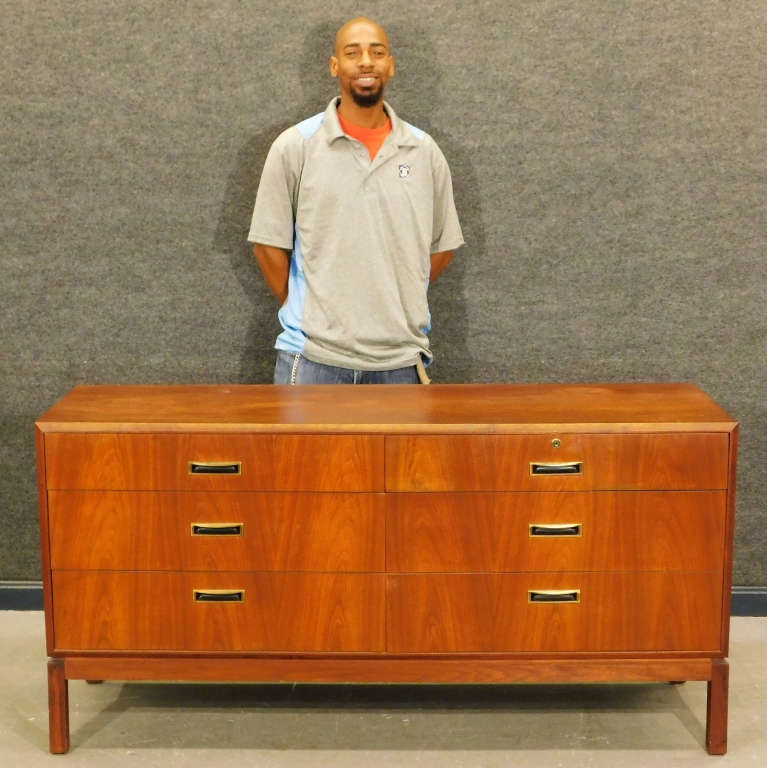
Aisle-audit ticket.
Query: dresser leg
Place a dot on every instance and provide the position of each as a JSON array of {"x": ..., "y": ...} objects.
[
  {"x": 716, "y": 714},
  {"x": 58, "y": 707}
]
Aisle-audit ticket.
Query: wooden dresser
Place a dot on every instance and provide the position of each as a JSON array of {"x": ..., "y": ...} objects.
[{"x": 473, "y": 533}]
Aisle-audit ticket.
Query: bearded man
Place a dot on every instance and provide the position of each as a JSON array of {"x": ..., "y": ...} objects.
[{"x": 354, "y": 217}]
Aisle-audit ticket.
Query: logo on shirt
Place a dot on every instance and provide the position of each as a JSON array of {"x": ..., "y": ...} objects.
[{"x": 404, "y": 171}]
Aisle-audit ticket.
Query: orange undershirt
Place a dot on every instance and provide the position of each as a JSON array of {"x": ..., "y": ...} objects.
[{"x": 372, "y": 138}]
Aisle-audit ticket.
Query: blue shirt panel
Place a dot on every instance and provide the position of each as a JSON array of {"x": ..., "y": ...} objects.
[{"x": 293, "y": 339}]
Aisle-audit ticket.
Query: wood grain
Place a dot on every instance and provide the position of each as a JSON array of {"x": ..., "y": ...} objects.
[
  {"x": 116, "y": 497},
  {"x": 681, "y": 461},
  {"x": 155, "y": 611},
  {"x": 151, "y": 530},
  {"x": 58, "y": 707},
  {"x": 387, "y": 409},
  {"x": 389, "y": 670},
  {"x": 729, "y": 538},
  {"x": 45, "y": 544},
  {"x": 489, "y": 532},
  {"x": 717, "y": 707},
  {"x": 160, "y": 462},
  {"x": 482, "y": 613}
]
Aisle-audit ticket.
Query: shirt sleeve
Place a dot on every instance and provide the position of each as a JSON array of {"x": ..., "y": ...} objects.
[
  {"x": 446, "y": 229},
  {"x": 274, "y": 212}
]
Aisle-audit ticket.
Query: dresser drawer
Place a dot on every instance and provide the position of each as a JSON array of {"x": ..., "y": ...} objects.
[
  {"x": 215, "y": 462},
  {"x": 663, "y": 461},
  {"x": 202, "y": 530},
  {"x": 157, "y": 611},
  {"x": 568, "y": 531},
  {"x": 485, "y": 613}
]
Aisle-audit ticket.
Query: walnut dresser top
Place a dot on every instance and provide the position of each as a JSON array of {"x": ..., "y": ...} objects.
[{"x": 390, "y": 409}]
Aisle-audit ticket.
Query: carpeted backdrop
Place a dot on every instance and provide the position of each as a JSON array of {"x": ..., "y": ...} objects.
[{"x": 610, "y": 167}]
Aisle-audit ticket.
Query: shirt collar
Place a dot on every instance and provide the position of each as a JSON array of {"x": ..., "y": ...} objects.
[{"x": 400, "y": 131}]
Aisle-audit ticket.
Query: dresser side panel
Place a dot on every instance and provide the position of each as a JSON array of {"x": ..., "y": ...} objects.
[
  {"x": 45, "y": 543},
  {"x": 729, "y": 539}
]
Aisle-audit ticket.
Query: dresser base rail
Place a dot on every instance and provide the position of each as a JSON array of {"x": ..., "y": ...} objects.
[{"x": 388, "y": 670}]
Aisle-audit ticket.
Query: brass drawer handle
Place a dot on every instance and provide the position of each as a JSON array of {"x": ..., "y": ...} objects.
[
  {"x": 554, "y": 596},
  {"x": 217, "y": 529},
  {"x": 540, "y": 469},
  {"x": 219, "y": 595},
  {"x": 568, "y": 529},
  {"x": 215, "y": 467}
]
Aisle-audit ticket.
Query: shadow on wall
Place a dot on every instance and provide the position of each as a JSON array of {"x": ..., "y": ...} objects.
[
  {"x": 415, "y": 94},
  {"x": 414, "y": 99}
]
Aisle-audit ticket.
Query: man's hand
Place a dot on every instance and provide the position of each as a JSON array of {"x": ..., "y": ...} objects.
[
  {"x": 439, "y": 262},
  {"x": 275, "y": 264}
]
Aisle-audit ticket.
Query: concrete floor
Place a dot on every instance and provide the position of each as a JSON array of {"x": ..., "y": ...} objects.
[{"x": 193, "y": 725}]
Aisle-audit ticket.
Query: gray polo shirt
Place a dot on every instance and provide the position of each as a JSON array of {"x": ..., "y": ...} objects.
[{"x": 361, "y": 234}]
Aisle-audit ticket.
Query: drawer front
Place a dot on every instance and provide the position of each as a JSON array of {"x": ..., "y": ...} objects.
[
  {"x": 576, "y": 531},
  {"x": 156, "y": 611},
  {"x": 665, "y": 461},
  {"x": 198, "y": 531},
  {"x": 485, "y": 613},
  {"x": 108, "y": 461}
]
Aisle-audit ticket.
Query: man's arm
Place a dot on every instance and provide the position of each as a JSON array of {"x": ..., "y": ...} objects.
[
  {"x": 275, "y": 264},
  {"x": 439, "y": 262}
]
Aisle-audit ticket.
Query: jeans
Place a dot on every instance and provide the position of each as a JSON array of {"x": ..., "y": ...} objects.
[{"x": 296, "y": 369}]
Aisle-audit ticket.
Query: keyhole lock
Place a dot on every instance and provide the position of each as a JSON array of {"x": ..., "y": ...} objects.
[{"x": 556, "y": 442}]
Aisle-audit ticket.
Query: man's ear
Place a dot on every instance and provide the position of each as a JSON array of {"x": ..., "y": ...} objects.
[
  {"x": 334, "y": 66},
  {"x": 391, "y": 67}
]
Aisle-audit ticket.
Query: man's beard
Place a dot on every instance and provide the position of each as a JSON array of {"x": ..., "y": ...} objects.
[{"x": 369, "y": 99}]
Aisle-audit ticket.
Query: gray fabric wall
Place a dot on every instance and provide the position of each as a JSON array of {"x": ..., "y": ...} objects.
[{"x": 609, "y": 166}]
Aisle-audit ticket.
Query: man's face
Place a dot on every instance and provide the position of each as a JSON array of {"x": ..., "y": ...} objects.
[{"x": 363, "y": 63}]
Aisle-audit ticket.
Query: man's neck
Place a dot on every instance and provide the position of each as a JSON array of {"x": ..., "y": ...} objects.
[{"x": 363, "y": 117}]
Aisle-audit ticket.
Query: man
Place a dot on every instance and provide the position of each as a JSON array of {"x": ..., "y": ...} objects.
[{"x": 354, "y": 217}]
